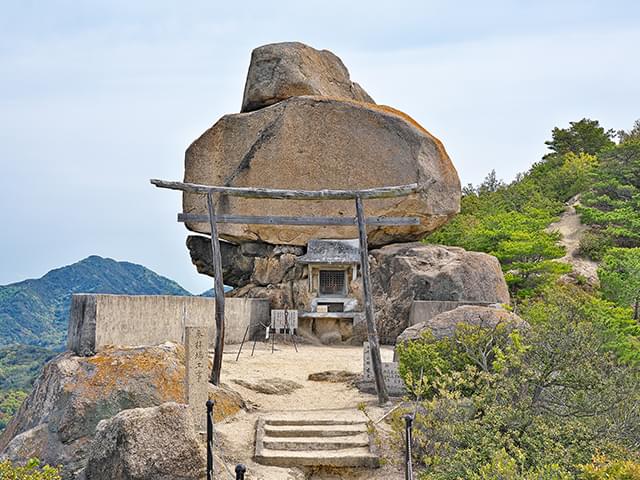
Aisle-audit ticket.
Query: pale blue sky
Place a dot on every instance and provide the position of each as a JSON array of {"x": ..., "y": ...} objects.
[{"x": 96, "y": 97}]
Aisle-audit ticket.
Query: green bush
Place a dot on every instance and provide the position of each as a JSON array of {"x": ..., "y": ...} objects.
[
  {"x": 32, "y": 470},
  {"x": 549, "y": 399},
  {"x": 603, "y": 468},
  {"x": 594, "y": 245}
]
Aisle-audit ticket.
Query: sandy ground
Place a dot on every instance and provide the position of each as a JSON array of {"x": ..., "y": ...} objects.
[
  {"x": 236, "y": 434},
  {"x": 572, "y": 230}
]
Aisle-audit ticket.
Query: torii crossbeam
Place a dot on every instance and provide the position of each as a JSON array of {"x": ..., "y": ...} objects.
[{"x": 280, "y": 194}]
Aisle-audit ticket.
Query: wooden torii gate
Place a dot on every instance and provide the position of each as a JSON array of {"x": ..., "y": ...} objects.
[{"x": 279, "y": 194}]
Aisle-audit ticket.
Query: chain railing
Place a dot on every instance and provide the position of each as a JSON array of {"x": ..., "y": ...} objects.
[{"x": 240, "y": 469}]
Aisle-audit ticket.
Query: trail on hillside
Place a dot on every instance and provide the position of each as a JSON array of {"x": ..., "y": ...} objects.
[{"x": 571, "y": 230}]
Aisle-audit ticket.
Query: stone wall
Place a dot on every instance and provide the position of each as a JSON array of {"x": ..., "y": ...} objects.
[{"x": 98, "y": 320}]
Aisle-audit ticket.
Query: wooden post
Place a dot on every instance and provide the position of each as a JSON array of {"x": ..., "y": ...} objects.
[
  {"x": 372, "y": 332},
  {"x": 219, "y": 292}
]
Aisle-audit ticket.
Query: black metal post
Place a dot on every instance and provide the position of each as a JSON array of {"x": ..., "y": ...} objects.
[
  {"x": 408, "y": 468},
  {"x": 240, "y": 471},
  {"x": 209, "y": 440}
]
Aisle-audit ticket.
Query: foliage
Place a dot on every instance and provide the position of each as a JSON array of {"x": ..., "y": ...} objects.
[
  {"x": 543, "y": 408},
  {"x": 19, "y": 366},
  {"x": 584, "y": 136},
  {"x": 603, "y": 468},
  {"x": 620, "y": 277},
  {"x": 611, "y": 206},
  {"x": 10, "y": 401},
  {"x": 594, "y": 245},
  {"x": 32, "y": 470},
  {"x": 571, "y": 303}
]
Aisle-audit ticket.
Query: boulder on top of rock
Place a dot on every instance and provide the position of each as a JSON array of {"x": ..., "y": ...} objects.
[
  {"x": 156, "y": 443},
  {"x": 292, "y": 69},
  {"x": 311, "y": 143},
  {"x": 402, "y": 273},
  {"x": 445, "y": 324}
]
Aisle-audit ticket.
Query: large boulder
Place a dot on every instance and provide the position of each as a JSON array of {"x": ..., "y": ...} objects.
[
  {"x": 402, "y": 273},
  {"x": 445, "y": 324},
  {"x": 291, "y": 69},
  {"x": 156, "y": 443},
  {"x": 311, "y": 143},
  {"x": 58, "y": 419}
]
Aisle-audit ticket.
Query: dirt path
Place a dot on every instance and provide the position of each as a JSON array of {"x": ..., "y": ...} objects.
[
  {"x": 571, "y": 231},
  {"x": 237, "y": 432}
]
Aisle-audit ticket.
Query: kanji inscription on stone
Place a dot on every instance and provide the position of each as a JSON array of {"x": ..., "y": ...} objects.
[{"x": 196, "y": 378}]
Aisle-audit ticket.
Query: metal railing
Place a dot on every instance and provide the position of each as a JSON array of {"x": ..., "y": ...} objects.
[
  {"x": 408, "y": 467},
  {"x": 240, "y": 469}
]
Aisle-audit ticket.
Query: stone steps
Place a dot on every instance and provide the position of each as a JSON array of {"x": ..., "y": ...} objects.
[
  {"x": 314, "y": 430},
  {"x": 316, "y": 443},
  {"x": 336, "y": 438}
]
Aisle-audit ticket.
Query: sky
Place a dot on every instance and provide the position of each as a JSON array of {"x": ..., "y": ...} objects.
[{"x": 97, "y": 97}]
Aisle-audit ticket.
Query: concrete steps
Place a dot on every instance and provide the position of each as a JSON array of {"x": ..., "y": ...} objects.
[{"x": 335, "y": 438}]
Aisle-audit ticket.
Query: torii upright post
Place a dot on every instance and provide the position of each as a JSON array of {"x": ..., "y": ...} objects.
[
  {"x": 372, "y": 331},
  {"x": 218, "y": 291}
]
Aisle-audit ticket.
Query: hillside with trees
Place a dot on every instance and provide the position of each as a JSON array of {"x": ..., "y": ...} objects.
[{"x": 560, "y": 400}]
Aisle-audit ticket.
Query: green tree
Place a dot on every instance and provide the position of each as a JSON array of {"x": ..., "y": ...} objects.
[
  {"x": 619, "y": 275},
  {"x": 584, "y": 136},
  {"x": 632, "y": 135}
]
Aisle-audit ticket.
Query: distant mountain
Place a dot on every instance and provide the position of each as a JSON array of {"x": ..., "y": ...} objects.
[
  {"x": 35, "y": 312},
  {"x": 211, "y": 292}
]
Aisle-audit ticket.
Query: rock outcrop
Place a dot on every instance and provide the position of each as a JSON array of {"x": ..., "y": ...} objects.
[
  {"x": 156, "y": 443},
  {"x": 291, "y": 69},
  {"x": 57, "y": 421},
  {"x": 402, "y": 273},
  {"x": 445, "y": 324},
  {"x": 329, "y": 140}
]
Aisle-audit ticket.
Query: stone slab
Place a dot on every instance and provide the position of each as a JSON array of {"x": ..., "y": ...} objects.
[
  {"x": 390, "y": 374},
  {"x": 196, "y": 378}
]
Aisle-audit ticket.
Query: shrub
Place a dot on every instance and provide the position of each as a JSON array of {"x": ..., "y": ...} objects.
[
  {"x": 594, "y": 245},
  {"x": 544, "y": 405},
  {"x": 603, "y": 468},
  {"x": 32, "y": 470}
]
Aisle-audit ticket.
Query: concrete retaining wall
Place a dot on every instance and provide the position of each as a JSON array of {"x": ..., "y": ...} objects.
[
  {"x": 98, "y": 320},
  {"x": 423, "y": 310}
]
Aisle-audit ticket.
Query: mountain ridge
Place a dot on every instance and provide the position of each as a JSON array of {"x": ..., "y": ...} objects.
[{"x": 35, "y": 311}]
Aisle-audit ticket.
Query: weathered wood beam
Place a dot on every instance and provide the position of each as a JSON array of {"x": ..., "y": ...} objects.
[
  {"x": 275, "y": 193},
  {"x": 218, "y": 291},
  {"x": 283, "y": 220},
  {"x": 372, "y": 331}
]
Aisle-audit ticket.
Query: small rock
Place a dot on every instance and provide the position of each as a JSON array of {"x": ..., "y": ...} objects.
[
  {"x": 334, "y": 376},
  {"x": 269, "y": 386},
  {"x": 227, "y": 402},
  {"x": 331, "y": 338}
]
